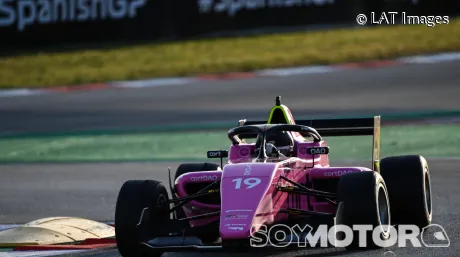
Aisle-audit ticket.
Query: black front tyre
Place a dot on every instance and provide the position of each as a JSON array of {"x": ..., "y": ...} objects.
[
  {"x": 133, "y": 198},
  {"x": 363, "y": 200},
  {"x": 409, "y": 187}
]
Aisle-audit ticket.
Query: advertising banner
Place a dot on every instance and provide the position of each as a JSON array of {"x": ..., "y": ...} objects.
[{"x": 31, "y": 22}]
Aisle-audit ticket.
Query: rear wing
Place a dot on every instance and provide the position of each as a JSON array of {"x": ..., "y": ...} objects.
[{"x": 342, "y": 127}]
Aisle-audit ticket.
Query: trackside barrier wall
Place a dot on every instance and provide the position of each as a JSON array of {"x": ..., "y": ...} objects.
[
  {"x": 52, "y": 22},
  {"x": 25, "y": 23}
]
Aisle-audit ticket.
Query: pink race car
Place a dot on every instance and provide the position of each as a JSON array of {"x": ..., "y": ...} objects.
[{"x": 278, "y": 173}]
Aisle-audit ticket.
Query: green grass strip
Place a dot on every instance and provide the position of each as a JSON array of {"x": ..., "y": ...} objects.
[
  {"x": 227, "y": 54},
  {"x": 387, "y": 118},
  {"x": 428, "y": 140}
]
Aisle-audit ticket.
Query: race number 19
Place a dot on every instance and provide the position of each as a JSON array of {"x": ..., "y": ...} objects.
[{"x": 249, "y": 182}]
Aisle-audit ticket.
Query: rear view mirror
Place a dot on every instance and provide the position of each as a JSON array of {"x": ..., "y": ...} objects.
[
  {"x": 218, "y": 154},
  {"x": 318, "y": 150}
]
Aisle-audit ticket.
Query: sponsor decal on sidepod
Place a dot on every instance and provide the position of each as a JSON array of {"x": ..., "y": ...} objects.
[
  {"x": 235, "y": 228},
  {"x": 236, "y": 217},
  {"x": 238, "y": 210},
  {"x": 229, "y": 225},
  {"x": 337, "y": 173},
  {"x": 204, "y": 178}
]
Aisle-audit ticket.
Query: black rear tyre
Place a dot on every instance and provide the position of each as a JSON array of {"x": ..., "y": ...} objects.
[
  {"x": 363, "y": 200},
  {"x": 409, "y": 187},
  {"x": 133, "y": 198}
]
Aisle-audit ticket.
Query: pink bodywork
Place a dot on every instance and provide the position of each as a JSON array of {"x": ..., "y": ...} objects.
[{"x": 249, "y": 197}]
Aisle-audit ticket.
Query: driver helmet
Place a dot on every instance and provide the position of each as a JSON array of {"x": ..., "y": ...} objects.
[{"x": 283, "y": 141}]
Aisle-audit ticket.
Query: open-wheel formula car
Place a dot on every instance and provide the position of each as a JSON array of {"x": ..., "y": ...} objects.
[{"x": 283, "y": 177}]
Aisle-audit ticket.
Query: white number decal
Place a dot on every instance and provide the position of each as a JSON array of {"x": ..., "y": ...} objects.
[{"x": 249, "y": 182}]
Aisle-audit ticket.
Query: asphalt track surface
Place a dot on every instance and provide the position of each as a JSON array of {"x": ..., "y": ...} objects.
[
  {"x": 90, "y": 191},
  {"x": 30, "y": 192},
  {"x": 411, "y": 87}
]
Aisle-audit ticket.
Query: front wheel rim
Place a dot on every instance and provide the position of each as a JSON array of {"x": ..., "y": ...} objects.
[
  {"x": 428, "y": 193},
  {"x": 383, "y": 211}
]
